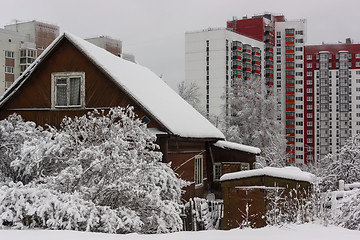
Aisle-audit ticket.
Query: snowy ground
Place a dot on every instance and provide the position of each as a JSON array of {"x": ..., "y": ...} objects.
[{"x": 294, "y": 232}]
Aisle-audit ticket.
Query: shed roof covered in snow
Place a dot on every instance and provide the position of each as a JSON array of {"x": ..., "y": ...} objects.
[
  {"x": 237, "y": 146},
  {"x": 292, "y": 173},
  {"x": 144, "y": 86}
]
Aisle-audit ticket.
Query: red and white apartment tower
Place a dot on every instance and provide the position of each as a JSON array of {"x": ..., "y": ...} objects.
[{"x": 284, "y": 43}]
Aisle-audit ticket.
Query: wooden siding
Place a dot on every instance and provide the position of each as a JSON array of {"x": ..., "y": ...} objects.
[
  {"x": 235, "y": 198},
  {"x": 33, "y": 99}
]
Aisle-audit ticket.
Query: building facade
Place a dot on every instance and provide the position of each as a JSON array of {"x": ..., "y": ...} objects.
[
  {"x": 215, "y": 59},
  {"x": 331, "y": 97},
  {"x": 281, "y": 43},
  {"x": 20, "y": 44}
]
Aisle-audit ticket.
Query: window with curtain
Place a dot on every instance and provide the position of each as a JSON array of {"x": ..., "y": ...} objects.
[{"x": 68, "y": 89}]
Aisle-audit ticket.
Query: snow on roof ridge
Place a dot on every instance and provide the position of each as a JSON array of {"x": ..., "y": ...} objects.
[
  {"x": 176, "y": 115},
  {"x": 237, "y": 146},
  {"x": 293, "y": 173}
]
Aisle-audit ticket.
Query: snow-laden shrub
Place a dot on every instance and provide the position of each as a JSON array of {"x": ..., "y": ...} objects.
[
  {"x": 289, "y": 206},
  {"x": 348, "y": 213},
  {"x": 13, "y": 133},
  {"x": 29, "y": 207},
  {"x": 109, "y": 159},
  {"x": 342, "y": 165}
]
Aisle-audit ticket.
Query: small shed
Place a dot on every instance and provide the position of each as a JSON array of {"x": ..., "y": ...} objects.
[{"x": 245, "y": 192}]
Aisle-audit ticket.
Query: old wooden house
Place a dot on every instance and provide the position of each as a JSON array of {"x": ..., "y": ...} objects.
[
  {"x": 73, "y": 76},
  {"x": 246, "y": 193}
]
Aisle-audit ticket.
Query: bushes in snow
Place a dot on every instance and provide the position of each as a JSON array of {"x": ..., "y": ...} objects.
[
  {"x": 106, "y": 161},
  {"x": 342, "y": 165}
]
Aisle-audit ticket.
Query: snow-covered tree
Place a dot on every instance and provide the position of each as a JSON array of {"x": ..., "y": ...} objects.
[
  {"x": 342, "y": 165},
  {"x": 108, "y": 159},
  {"x": 253, "y": 122},
  {"x": 190, "y": 93}
]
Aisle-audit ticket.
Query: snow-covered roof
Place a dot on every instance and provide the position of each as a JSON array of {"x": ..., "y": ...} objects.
[
  {"x": 237, "y": 146},
  {"x": 293, "y": 173},
  {"x": 144, "y": 86}
]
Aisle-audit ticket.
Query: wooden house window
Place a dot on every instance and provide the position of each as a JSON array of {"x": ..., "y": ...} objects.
[
  {"x": 217, "y": 171},
  {"x": 68, "y": 90},
  {"x": 198, "y": 170}
]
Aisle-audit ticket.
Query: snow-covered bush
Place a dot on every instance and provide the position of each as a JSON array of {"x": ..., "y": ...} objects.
[
  {"x": 294, "y": 206},
  {"x": 342, "y": 165},
  {"x": 108, "y": 159},
  {"x": 13, "y": 133},
  {"x": 29, "y": 207},
  {"x": 347, "y": 212}
]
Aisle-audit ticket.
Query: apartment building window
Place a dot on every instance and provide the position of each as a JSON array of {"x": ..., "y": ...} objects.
[
  {"x": 309, "y": 90},
  {"x": 309, "y": 107},
  {"x": 308, "y": 57},
  {"x": 357, "y": 80},
  {"x": 300, "y": 40},
  {"x": 278, "y": 50},
  {"x": 309, "y": 74},
  {"x": 309, "y": 65},
  {"x": 278, "y": 59},
  {"x": 299, "y": 99},
  {"x": 299, "y": 65},
  {"x": 309, "y": 124},
  {"x": 309, "y": 115},
  {"x": 278, "y": 34},
  {"x": 309, "y": 99},
  {"x": 299, "y": 115},
  {"x": 198, "y": 170},
  {"x": 299, "y": 106},
  {"x": 68, "y": 89},
  {"x": 299, "y": 123},
  {"x": 308, "y": 82},
  {"x": 357, "y": 55},
  {"x": 299, "y": 49},
  {"x": 357, "y": 64},
  {"x": 300, "y": 32},
  {"x": 299, "y": 74},
  {"x": 9, "y": 54},
  {"x": 9, "y": 69},
  {"x": 358, "y": 89},
  {"x": 357, "y": 114},
  {"x": 299, "y": 140},
  {"x": 299, "y": 131},
  {"x": 357, "y": 97},
  {"x": 278, "y": 42},
  {"x": 309, "y": 132}
]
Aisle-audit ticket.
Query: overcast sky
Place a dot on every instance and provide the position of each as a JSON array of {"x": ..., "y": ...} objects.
[{"x": 154, "y": 30}]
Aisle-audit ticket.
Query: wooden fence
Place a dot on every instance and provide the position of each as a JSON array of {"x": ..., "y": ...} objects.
[{"x": 200, "y": 214}]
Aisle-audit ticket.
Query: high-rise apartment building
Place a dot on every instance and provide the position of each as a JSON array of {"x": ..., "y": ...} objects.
[
  {"x": 20, "y": 44},
  {"x": 331, "y": 97},
  {"x": 215, "y": 59},
  {"x": 282, "y": 69}
]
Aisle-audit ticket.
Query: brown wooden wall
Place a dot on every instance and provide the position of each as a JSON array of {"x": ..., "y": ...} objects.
[
  {"x": 182, "y": 152},
  {"x": 235, "y": 198},
  {"x": 33, "y": 99}
]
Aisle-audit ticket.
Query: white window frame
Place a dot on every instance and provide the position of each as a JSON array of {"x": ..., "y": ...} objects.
[
  {"x": 9, "y": 54},
  {"x": 9, "y": 69},
  {"x": 198, "y": 170},
  {"x": 68, "y": 75},
  {"x": 217, "y": 167}
]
